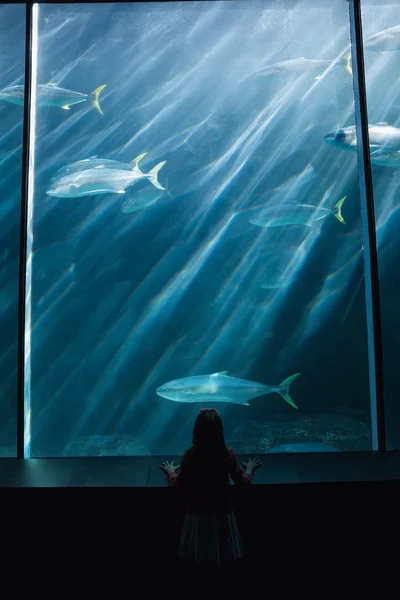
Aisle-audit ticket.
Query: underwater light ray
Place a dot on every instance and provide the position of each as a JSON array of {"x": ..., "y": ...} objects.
[
  {"x": 58, "y": 299},
  {"x": 93, "y": 328},
  {"x": 193, "y": 75},
  {"x": 226, "y": 308},
  {"x": 8, "y": 155},
  {"x": 385, "y": 210},
  {"x": 63, "y": 73},
  {"x": 227, "y": 311},
  {"x": 149, "y": 384},
  {"x": 159, "y": 308},
  {"x": 141, "y": 64},
  {"x": 330, "y": 292},
  {"x": 202, "y": 23},
  {"x": 94, "y": 217},
  {"x": 294, "y": 266},
  {"x": 156, "y": 118},
  {"x": 10, "y": 134},
  {"x": 222, "y": 162}
]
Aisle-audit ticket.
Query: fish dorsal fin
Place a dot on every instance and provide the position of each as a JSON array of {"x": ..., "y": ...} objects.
[
  {"x": 52, "y": 84},
  {"x": 383, "y": 123},
  {"x": 224, "y": 373},
  {"x": 137, "y": 160}
]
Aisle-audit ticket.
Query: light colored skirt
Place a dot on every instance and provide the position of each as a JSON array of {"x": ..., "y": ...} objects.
[{"x": 210, "y": 539}]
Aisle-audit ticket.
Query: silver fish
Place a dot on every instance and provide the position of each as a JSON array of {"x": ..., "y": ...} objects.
[
  {"x": 383, "y": 140},
  {"x": 295, "y": 214},
  {"x": 49, "y": 94},
  {"x": 91, "y": 163},
  {"x": 304, "y": 65},
  {"x": 387, "y": 40},
  {"x": 102, "y": 181},
  {"x": 219, "y": 387}
]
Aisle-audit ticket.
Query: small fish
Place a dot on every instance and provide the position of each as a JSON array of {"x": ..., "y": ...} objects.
[
  {"x": 295, "y": 214},
  {"x": 49, "y": 94},
  {"x": 304, "y": 65},
  {"x": 387, "y": 40},
  {"x": 140, "y": 200},
  {"x": 91, "y": 163},
  {"x": 103, "y": 181},
  {"x": 383, "y": 139},
  {"x": 219, "y": 387}
]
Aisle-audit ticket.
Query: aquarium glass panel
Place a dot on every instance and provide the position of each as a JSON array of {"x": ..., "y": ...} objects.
[
  {"x": 12, "y": 61},
  {"x": 381, "y": 31},
  {"x": 196, "y": 229}
]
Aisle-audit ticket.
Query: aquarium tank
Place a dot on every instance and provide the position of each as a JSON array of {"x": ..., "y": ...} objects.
[{"x": 194, "y": 225}]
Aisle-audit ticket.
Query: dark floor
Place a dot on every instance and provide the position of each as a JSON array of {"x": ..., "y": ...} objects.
[{"x": 101, "y": 534}]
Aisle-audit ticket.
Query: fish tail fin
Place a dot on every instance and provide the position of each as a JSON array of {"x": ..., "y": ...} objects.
[
  {"x": 337, "y": 210},
  {"x": 152, "y": 175},
  {"x": 284, "y": 389},
  {"x": 347, "y": 63},
  {"x": 94, "y": 98}
]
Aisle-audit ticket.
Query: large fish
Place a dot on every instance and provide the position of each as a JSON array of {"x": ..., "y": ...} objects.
[
  {"x": 219, "y": 387},
  {"x": 102, "y": 181},
  {"x": 295, "y": 214},
  {"x": 299, "y": 66},
  {"x": 49, "y": 94},
  {"x": 93, "y": 162},
  {"x": 387, "y": 40},
  {"x": 384, "y": 140}
]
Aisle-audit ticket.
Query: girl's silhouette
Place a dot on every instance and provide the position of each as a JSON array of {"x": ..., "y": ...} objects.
[{"x": 210, "y": 534}]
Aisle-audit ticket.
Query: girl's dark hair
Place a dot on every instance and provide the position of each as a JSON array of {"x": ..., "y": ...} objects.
[
  {"x": 208, "y": 434},
  {"x": 210, "y": 458}
]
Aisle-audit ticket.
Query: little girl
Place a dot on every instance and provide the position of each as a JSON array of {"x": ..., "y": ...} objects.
[{"x": 210, "y": 534}]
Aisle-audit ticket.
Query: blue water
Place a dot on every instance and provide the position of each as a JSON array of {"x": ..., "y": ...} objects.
[{"x": 122, "y": 303}]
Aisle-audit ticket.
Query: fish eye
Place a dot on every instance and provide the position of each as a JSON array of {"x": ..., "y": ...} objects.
[{"x": 340, "y": 135}]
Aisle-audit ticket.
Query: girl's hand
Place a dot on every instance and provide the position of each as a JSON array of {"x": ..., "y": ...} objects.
[
  {"x": 252, "y": 465},
  {"x": 169, "y": 467}
]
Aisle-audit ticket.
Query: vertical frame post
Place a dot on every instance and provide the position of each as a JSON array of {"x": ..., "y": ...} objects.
[
  {"x": 24, "y": 232},
  {"x": 374, "y": 329}
]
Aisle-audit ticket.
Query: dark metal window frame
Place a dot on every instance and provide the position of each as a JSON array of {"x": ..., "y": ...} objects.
[{"x": 367, "y": 210}]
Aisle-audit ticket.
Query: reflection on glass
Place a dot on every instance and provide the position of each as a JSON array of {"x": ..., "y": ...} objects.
[
  {"x": 381, "y": 30},
  {"x": 196, "y": 237},
  {"x": 12, "y": 61}
]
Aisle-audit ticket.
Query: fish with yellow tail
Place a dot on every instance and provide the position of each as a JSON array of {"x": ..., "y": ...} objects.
[
  {"x": 101, "y": 180},
  {"x": 301, "y": 66},
  {"x": 49, "y": 94},
  {"x": 220, "y": 387}
]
